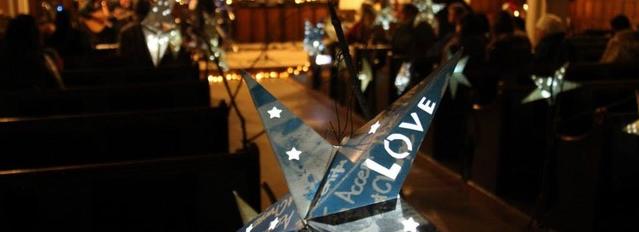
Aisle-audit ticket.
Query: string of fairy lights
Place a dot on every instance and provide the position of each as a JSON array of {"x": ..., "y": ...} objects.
[{"x": 261, "y": 75}]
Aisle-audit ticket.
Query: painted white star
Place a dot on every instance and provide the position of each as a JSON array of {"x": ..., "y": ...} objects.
[
  {"x": 274, "y": 112},
  {"x": 249, "y": 228},
  {"x": 410, "y": 225},
  {"x": 293, "y": 154},
  {"x": 273, "y": 224},
  {"x": 374, "y": 128}
]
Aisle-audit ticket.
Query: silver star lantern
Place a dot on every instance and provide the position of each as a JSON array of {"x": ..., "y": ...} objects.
[
  {"x": 549, "y": 87},
  {"x": 427, "y": 11},
  {"x": 313, "y": 36},
  {"x": 403, "y": 78},
  {"x": 354, "y": 186},
  {"x": 458, "y": 76},
  {"x": 365, "y": 76},
  {"x": 385, "y": 17},
  {"x": 214, "y": 49},
  {"x": 633, "y": 128},
  {"x": 160, "y": 31}
]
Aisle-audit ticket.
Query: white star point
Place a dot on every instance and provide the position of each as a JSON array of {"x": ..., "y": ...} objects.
[
  {"x": 374, "y": 128},
  {"x": 293, "y": 154},
  {"x": 274, "y": 112},
  {"x": 273, "y": 224},
  {"x": 410, "y": 225},
  {"x": 249, "y": 228}
]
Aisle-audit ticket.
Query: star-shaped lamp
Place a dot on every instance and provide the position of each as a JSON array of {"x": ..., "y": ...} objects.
[
  {"x": 458, "y": 76},
  {"x": 549, "y": 87},
  {"x": 354, "y": 186},
  {"x": 313, "y": 36},
  {"x": 427, "y": 11},
  {"x": 365, "y": 76},
  {"x": 160, "y": 31},
  {"x": 403, "y": 78},
  {"x": 633, "y": 128}
]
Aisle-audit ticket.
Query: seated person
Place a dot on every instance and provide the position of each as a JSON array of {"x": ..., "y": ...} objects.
[
  {"x": 365, "y": 31},
  {"x": 553, "y": 50},
  {"x": 623, "y": 47},
  {"x": 24, "y": 63},
  {"x": 508, "y": 54},
  {"x": 71, "y": 44}
]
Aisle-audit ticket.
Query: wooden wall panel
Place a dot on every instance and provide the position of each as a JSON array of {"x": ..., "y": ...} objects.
[
  {"x": 596, "y": 14},
  {"x": 242, "y": 34},
  {"x": 283, "y": 23},
  {"x": 489, "y": 7}
]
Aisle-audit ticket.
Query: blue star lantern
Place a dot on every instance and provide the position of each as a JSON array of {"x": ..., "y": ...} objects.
[{"x": 354, "y": 186}]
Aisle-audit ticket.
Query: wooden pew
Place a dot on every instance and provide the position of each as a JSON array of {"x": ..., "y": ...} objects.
[
  {"x": 81, "y": 139},
  {"x": 124, "y": 76},
  {"x": 105, "y": 99},
  {"x": 523, "y": 134},
  {"x": 192, "y": 193},
  {"x": 588, "y": 48},
  {"x": 596, "y": 178},
  {"x": 510, "y": 138}
]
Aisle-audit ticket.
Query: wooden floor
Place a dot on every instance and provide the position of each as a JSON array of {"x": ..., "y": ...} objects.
[{"x": 440, "y": 195}]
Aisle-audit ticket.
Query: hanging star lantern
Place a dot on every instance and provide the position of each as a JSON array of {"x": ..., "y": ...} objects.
[
  {"x": 313, "y": 36},
  {"x": 160, "y": 31},
  {"x": 365, "y": 76},
  {"x": 386, "y": 17},
  {"x": 633, "y": 128},
  {"x": 353, "y": 186},
  {"x": 549, "y": 87},
  {"x": 403, "y": 78},
  {"x": 214, "y": 35},
  {"x": 427, "y": 11},
  {"x": 458, "y": 77}
]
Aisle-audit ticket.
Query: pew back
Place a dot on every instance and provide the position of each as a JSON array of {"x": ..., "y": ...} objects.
[
  {"x": 176, "y": 194},
  {"x": 105, "y": 99},
  {"x": 78, "y": 139},
  {"x": 123, "y": 76}
]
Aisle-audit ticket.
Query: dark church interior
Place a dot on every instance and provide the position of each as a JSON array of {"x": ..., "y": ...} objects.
[{"x": 179, "y": 115}]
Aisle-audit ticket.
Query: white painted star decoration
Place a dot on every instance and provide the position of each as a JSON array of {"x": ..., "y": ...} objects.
[
  {"x": 273, "y": 224},
  {"x": 249, "y": 228},
  {"x": 374, "y": 128},
  {"x": 549, "y": 87},
  {"x": 458, "y": 77},
  {"x": 293, "y": 154},
  {"x": 274, "y": 112},
  {"x": 410, "y": 225}
]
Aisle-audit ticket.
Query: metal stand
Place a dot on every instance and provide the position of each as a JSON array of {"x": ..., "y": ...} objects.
[{"x": 343, "y": 46}]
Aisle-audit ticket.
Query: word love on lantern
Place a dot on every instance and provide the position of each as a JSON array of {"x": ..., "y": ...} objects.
[{"x": 353, "y": 186}]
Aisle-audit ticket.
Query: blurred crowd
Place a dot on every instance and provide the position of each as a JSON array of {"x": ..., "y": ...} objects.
[
  {"x": 498, "y": 49},
  {"x": 35, "y": 49}
]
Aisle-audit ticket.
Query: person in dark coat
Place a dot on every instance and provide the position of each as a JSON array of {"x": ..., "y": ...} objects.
[
  {"x": 71, "y": 44},
  {"x": 411, "y": 42},
  {"x": 552, "y": 51},
  {"x": 24, "y": 63}
]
